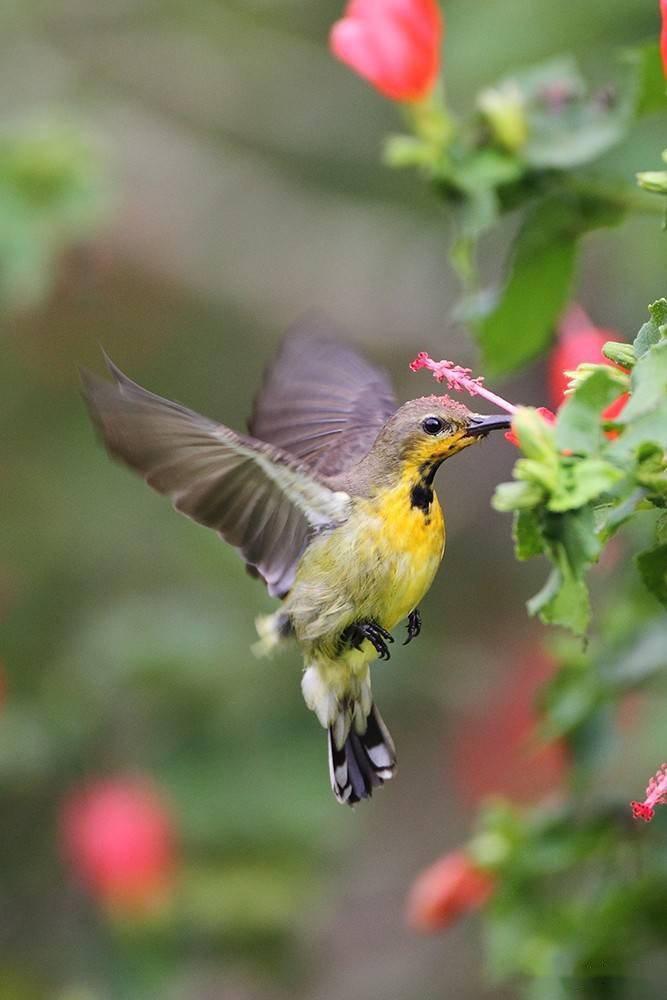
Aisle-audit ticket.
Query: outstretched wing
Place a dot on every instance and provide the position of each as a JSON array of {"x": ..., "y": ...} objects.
[
  {"x": 257, "y": 497},
  {"x": 321, "y": 400}
]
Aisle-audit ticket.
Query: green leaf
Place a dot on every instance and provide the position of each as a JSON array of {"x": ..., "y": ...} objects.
[
  {"x": 521, "y": 323},
  {"x": 562, "y": 601},
  {"x": 516, "y": 496},
  {"x": 484, "y": 170},
  {"x": 611, "y": 518},
  {"x": 579, "y": 426},
  {"x": 648, "y": 384},
  {"x": 576, "y": 539},
  {"x": 650, "y": 428},
  {"x": 653, "y": 330},
  {"x": 584, "y": 481},
  {"x": 652, "y": 565},
  {"x": 569, "y": 700},
  {"x": 542, "y": 269},
  {"x": 650, "y": 93},
  {"x": 527, "y": 532},
  {"x": 565, "y": 125},
  {"x": 644, "y": 418},
  {"x": 661, "y": 529},
  {"x": 650, "y": 472}
]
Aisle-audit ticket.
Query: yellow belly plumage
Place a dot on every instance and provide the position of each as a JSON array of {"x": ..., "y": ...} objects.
[
  {"x": 376, "y": 566},
  {"x": 411, "y": 543}
]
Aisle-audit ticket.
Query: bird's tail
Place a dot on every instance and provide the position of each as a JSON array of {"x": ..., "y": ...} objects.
[{"x": 360, "y": 761}]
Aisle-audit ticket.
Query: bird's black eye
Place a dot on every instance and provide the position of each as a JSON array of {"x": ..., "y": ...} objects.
[{"x": 432, "y": 425}]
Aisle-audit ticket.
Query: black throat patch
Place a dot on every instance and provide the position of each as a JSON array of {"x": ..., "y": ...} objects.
[{"x": 421, "y": 494}]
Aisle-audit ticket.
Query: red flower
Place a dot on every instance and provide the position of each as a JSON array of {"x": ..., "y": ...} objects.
[
  {"x": 663, "y": 35},
  {"x": 394, "y": 44},
  {"x": 118, "y": 838},
  {"x": 449, "y": 889},
  {"x": 493, "y": 749},
  {"x": 579, "y": 342},
  {"x": 543, "y": 412},
  {"x": 656, "y": 795}
]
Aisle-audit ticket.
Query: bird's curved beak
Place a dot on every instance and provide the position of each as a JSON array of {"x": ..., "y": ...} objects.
[{"x": 480, "y": 426}]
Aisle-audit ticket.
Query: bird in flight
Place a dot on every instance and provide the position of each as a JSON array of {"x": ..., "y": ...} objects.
[{"x": 329, "y": 499}]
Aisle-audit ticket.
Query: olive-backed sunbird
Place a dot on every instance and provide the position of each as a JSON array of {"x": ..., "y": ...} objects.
[{"x": 329, "y": 499}]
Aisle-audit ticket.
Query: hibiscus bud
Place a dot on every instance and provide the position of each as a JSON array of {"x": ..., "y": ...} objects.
[
  {"x": 504, "y": 111},
  {"x": 118, "y": 838},
  {"x": 654, "y": 181},
  {"x": 449, "y": 889},
  {"x": 533, "y": 431},
  {"x": 395, "y": 45},
  {"x": 620, "y": 354}
]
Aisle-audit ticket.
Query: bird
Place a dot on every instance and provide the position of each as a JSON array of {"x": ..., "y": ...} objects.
[{"x": 330, "y": 500}]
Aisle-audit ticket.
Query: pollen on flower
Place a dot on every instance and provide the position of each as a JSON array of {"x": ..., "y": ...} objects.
[
  {"x": 459, "y": 378},
  {"x": 656, "y": 795}
]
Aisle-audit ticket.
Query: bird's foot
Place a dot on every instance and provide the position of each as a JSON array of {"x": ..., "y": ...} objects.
[
  {"x": 414, "y": 625},
  {"x": 379, "y": 637}
]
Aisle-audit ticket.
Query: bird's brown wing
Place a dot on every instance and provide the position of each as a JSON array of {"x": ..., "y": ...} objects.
[
  {"x": 258, "y": 498},
  {"x": 321, "y": 400}
]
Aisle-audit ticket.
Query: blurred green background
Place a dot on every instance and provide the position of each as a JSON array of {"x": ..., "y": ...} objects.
[{"x": 187, "y": 180}]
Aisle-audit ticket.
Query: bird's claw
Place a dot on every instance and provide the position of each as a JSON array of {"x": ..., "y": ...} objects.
[
  {"x": 414, "y": 625},
  {"x": 376, "y": 635}
]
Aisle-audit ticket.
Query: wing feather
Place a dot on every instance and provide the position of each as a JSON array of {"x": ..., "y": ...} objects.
[
  {"x": 255, "y": 495},
  {"x": 321, "y": 401}
]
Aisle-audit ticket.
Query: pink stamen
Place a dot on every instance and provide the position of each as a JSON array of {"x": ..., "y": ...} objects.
[
  {"x": 656, "y": 795},
  {"x": 460, "y": 379}
]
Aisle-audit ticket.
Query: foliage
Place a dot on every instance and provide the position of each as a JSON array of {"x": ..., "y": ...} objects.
[
  {"x": 578, "y": 484},
  {"x": 570, "y": 911},
  {"x": 53, "y": 194},
  {"x": 531, "y": 148}
]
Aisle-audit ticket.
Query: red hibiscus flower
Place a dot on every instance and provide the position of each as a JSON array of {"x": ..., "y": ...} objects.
[
  {"x": 118, "y": 838},
  {"x": 447, "y": 890},
  {"x": 394, "y": 44}
]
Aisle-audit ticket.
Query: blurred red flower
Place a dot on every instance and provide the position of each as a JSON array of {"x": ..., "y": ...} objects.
[
  {"x": 493, "y": 751},
  {"x": 447, "y": 890},
  {"x": 394, "y": 44},
  {"x": 663, "y": 35},
  {"x": 579, "y": 341},
  {"x": 118, "y": 837}
]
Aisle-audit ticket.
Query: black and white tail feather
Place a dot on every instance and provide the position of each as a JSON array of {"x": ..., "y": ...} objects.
[{"x": 363, "y": 762}]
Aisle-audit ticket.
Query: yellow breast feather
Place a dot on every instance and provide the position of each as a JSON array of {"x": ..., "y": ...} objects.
[{"x": 411, "y": 544}]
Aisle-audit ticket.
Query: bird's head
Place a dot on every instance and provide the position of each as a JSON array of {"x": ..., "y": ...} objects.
[{"x": 426, "y": 431}]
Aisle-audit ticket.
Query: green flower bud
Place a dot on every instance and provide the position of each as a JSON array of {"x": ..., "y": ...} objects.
[
  {"x": 621, "y": 354},
  {"x": 535, "y": 434},
  {"x": 504, "y": 111},
  {"x": 653, "y": 180}
]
